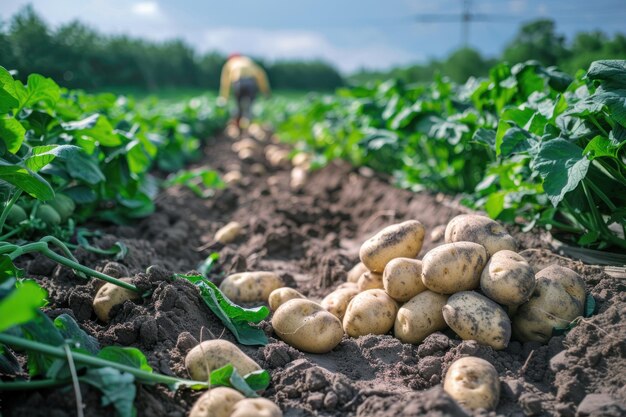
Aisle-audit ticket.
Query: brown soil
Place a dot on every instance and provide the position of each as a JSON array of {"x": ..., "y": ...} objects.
[{"x": 311, "y": 238}]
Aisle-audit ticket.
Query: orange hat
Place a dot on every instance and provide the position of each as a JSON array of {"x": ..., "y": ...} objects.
[{"x": 233, "y": 55}]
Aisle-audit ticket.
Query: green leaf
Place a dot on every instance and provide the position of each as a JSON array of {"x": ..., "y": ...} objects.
[
  {"x": 117, "y": 388},
  {"x": 615, "y": 101},
  {"x": 589, "y": 238},
  {"x": 12, "y": 133},
  {"x": 41, "y": 329},
  {"x": 128, "y": 356},
  {"x": 495, "y": 204},
  {"x": 240, "y": 384},
  {"x": 38, "y": 89},
  {"x": 516, "y": 140},
  {"x": 8, "y": 98},
  {"x": 26, "y": 180},
  {"x": 227, "y": 376},
  {"x": 138, "y": 160},
  {"x": 590, "y": 305},
  {"x": 101, "y": 132},
  {"x": 71, "y": 331},
  {"x": 21, "y": 305},
  {"x": 485, "y": 137},
  {"x": 83, "y": 168},
  {"x": 86, "y": 123},
  {"x": 600, "y": 146},
  {"x": 613, "y": 70},
  {"x": 258, "y": 380},
  {"x": 42, "y": 155},
  {"x": 8, "y": 269},
  {"x": 208, "y": 264}
]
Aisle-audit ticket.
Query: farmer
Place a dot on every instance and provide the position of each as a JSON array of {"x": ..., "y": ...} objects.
[{"x": 247, "y": 79}]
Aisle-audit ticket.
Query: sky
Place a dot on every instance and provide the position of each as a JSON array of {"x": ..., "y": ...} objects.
[{"x": 351, "y": 34}]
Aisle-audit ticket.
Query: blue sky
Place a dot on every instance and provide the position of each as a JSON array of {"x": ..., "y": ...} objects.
[{"x": 351, "y": 34}]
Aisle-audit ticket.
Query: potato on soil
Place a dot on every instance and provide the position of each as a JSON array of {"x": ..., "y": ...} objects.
[
  {"x": 245, "y": 143},
  {"x": 256, "y": 407},
  {"x": 307, "y": 326},
  {"x": 214, "y": 354},
  {"x": 228, "y": 233},
  {"x": 298, "y": 178},
  {"x": 402, "y": 278},
  {"x": 558, "y": 298},
  {"x": 453, "y": 267},
  {"x": 507, "y": 278},
  {"x": 475, "y": 317},
  {"x": 337, "y": 301},
  {"x": 248, "y": 287},
  {"x": 481, "y": 230},
  {"x": 232, "y": 177},
  {"x": 246, "y": 154},
  {"x": 302, "y": 159},
  {"x": 280, "y": 296},
  {"x": 355, "y": 273},
  {"x": 370, "y": 312},
  {"x": 370, "y": 280},
  {"x": 110, "y": 295},
  {"x": 420, "y": 317},
  {"x": 402, "y": 240},
  {"x": 217, "y": 402},
  {"x": 473, "y": 383}
]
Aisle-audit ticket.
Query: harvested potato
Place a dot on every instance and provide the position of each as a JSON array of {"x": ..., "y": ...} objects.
[
  {"x": 257, "y": 169},
  {"x": 247, "y": 287},
  {"x": 558, "y": 298},
  {"x": 257, "y": 131},
  {"x": 350, "y": 285},
  {"x": 402, "y": 278},
  {"x": 370, "y": 312},
  {"x": 302, "y": 159},
  {"x": 232, "y": 177},
  {"x": 280, "y": 296},
  {"x": 213, "y": 354},
  {"x": 217, "y": 402},
  {"x": 276, "y": 156},
  {"x": 420, "y": 317},
  {"x": 232, "y": 131},
  {"x": 245, "y": 143},
  {"x": 110, "y": 295},
  {"x": 337, "y": 301},
  {"x": 473, "y": 383},
  {"x": 256, "y": 407},
  {"x": 402, "y": 240},
  {"x": 307, "y": 326},
  {"x": 453, "y": 267},
  {"x": 246, "y": 154},
  {"x": 228, "y": 233},
  {"x": 481, "y": 230},
  {"x": 298, "y": 178},
  {"x": 370, "y": 280},
  {"x": 355, "y": 273},
  {"x": 507, "y": 278},
  {"x": 473, "y": 316}
]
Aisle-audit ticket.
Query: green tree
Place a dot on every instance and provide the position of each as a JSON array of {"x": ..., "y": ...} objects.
[
  {"x": 463, "y": 63},
  {"x": 537, "y": 40}
]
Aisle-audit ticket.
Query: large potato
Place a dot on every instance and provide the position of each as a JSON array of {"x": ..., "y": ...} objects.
[
  {"x": 475, "y": 317},
  {"x": 507, "y": 278},
  {"x": 370, "y": 312},
  {"x": 228, "y": 233},
  {"x": 453, "y": 267},
  {"x": 473, "y": 383},
  {"x": 481, "y": 230},
  {"x": 402, "y": 278},
  {"x": 370, "y": 281},
  {"x": 247, "y": 287},
  {"x": 355, "y": 273},
  {"x": 402, "y": 240},
  {"x": 217, "y": 402},
  {"x": 337, "y": 301},
  {"x": 558, "y": 298},
  {"x": 256, "y": 407},
  {"x": 307, "y": 326},
  {"x": 213, "y": 354},
  {"x": 420, "y": 317},
  {"x": 280, "y": 296},
  {"x": 110, "y": 295}
]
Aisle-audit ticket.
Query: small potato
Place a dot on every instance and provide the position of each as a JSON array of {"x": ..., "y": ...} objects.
[
  {"x": 337, "y": 301},
  {"x": 232, "y": 177},
  {"x": 307, "y": 326},
  {"x": 370, "y": 312},
  {"x": 507, "y": 278},
  {"x": 370, "y": 280},
  {"x": 420, "y": 317},
  {"x": 475, "y": 317},
  {"x": 473, "y": 383},
  {"x": 481, "y": 230},
  {"x": 402, "y": 240},
  {"x": 350, "y": 285},
  {"x": 558, "y": 298},
  {"x": 453, "y": 267},
  {"x": 217, "y": 402},
  {"x": 256, "y": 407},
  {"x": 355, "y": 273},
  {"x": 228, "y": 233},
  {"x": 280, "y": 296},
  {"x": 258, "y": 169},
  {"x": 298, "y": 178},
  {"x": 302, "y": 159},
  {"x": 245, "y": 143},
  {"x": 213, "y": 354},
  {"x": 110, "y": 295},
  {"x": 248, "y": 287},
  {"x": 246, "y": 154},
  {"x": 402, "y": 278}
]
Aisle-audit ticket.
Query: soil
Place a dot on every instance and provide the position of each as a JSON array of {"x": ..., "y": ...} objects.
[{"x": 311, "y": 238}]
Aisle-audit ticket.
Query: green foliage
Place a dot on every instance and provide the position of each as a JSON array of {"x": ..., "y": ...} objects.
[{"x": 227, "y": 376}]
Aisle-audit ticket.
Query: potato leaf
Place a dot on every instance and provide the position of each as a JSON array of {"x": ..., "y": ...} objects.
[
  {"x": 21, "y": 304},
  {"x": 227, "y": 376},
  {"x": 71, "y": 331},
  {"x": 128, "y": 356},
  {"x": 117, "y": 388}
]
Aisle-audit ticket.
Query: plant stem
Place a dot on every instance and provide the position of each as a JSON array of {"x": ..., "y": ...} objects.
[
  {"x": 38, "y": 384},
  {"x": 7, "y": 208}
]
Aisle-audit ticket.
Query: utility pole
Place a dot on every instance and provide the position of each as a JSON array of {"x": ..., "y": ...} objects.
[{"x": 466, "y": 18}]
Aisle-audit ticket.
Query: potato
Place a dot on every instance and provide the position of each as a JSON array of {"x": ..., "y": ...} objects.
[
  {"x": 247, "y": 287},
  {"x": 280, "y": 296},
  {"x": 217, "y": 402},
  {"x": 302, "y": 159},
  {"x": 246, "y": 154},
  {"x": 473, "y": 383},
  {"x": 420, "y": 317},
  {"x": 370, "y": 280},
  {"x": 245, "y": 143},
  {"x": 346, "y": 285},
  {"x": 481, "y": 230},
  {"x": 110, "y": 295},
  {"x": 298, "y": 178},
  {"x": 213, "y": 354},
  {"x": 228, "y": 233},
  {"x": 337, "y": 301},
  {"x": 232, "y": 177},
  {"x": 258, "y": 169},
  {"x": 453, "y": 267},
  {"x": 558, "y": 298},
  {"x": 402, "y": 279},
  {"x": 256, "y": 407},
  {"x": 370, "y": 312},
  {"x": 355, "y": 273},
  {"x": 402, "y": 240},
  {"x": 475, "y": 317},
  {"x": 307, "y": 326},
  {"x": 507, "y": 278}
]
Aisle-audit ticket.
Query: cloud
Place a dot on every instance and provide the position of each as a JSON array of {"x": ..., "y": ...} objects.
[{"x": 148, "y": 9}]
